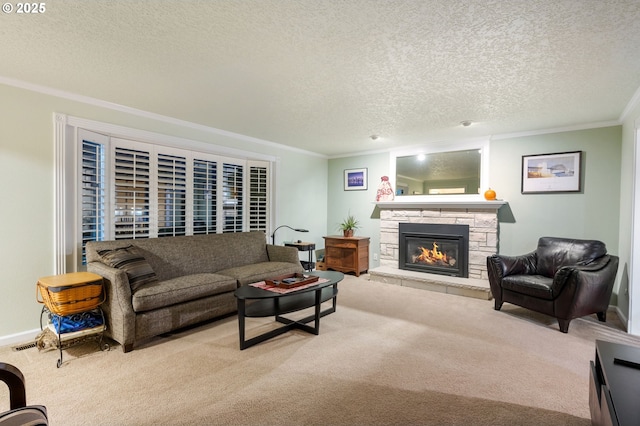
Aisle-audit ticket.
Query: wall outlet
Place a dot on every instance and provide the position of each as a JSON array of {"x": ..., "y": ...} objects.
[{"x": 375, "y": 256}]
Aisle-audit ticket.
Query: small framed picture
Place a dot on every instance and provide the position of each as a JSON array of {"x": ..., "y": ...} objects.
[
  {"x": 355, "y": 179},
  {"x": 558, "y": 172}
]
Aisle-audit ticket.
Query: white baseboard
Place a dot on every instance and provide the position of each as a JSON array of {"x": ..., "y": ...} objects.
[
  {"x": 24, "y": 337},
  {"x": 623, "y": 318}
]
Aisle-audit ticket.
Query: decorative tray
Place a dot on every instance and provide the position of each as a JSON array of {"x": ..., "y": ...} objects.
[{"x": 291, "y": 280}]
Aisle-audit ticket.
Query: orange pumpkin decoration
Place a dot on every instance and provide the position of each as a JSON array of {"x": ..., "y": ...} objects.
[{"x": 489, "y": 194}]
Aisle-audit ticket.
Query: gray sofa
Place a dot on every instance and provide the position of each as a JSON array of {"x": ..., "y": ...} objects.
[{"x": 157, "y": 285}]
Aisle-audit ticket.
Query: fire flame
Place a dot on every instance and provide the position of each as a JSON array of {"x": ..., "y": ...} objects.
[{"x": 433, "y": 255}]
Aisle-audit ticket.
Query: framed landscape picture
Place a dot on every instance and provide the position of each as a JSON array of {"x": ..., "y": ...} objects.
[
  {"x": 558, "y": 172},
  {"x": 355, "y": 179}
]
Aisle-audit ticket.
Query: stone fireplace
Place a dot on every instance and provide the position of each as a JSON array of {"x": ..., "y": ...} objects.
[
  {"x": 434, "y": 248},
  {"x": 481, "y": 218}
]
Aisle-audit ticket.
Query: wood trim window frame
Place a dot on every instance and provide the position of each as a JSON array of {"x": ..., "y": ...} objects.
[{"x": 67, "y": 191}]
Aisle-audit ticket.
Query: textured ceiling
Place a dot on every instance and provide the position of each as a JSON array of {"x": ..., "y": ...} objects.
[{"x": 324, "y": 75}]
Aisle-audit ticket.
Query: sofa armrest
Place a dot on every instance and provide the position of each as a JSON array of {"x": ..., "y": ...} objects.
[
  {"x": 282, "y": 254},
  {"x": 117, "y": 308}
]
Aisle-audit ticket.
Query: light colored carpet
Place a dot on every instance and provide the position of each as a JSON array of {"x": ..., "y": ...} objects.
[{"x": 389, "y": 355}]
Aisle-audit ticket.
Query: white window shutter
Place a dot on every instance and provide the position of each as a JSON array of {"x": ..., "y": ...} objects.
[
  {"x": 92, "y": 193},
  {"x": 171, "y": 195},
  {"x": 205, "y": 196},
  {"x": 258, "y": 196},
  {"x": 232, "y": 197},
  {"x": 131, "y": 193}
]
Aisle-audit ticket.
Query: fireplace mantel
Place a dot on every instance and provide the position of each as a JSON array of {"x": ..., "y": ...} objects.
[{"x": 442, "y": 204}]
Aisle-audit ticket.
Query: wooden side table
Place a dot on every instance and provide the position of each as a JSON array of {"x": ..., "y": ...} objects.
[{"x": 347, "y": 254}]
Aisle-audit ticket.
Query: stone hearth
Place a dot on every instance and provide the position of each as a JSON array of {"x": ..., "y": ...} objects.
[
  {"x": 469, "y": 287},
  {"x": 482, "y": 218}
]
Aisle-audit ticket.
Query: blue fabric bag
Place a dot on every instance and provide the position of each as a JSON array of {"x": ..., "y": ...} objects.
[{"x": 76, "y": 322}]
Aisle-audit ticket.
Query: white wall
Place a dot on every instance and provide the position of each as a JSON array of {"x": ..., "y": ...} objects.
[
  {"x": 26, "y": 173},
  {"x": 626, "y": 291}
]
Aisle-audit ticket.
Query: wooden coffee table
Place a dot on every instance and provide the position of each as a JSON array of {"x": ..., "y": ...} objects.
[{"x": 265, "y": 303}]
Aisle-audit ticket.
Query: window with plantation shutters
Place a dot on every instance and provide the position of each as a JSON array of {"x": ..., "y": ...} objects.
[
  {"x": 172, "y": 195},
  {"x": 126, "y": 189},
  {"x": 132, "y": 208},
  {"x": 258, "y": 198},
  {"x": 232, "y": 197},
  {"x": 92, "y": 192},
  {"x": 205, "y": 196},
  {"x": 113, "y": 183}
]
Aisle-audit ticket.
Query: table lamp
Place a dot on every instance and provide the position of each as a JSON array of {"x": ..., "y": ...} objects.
[{"x": 273, "y": 236}]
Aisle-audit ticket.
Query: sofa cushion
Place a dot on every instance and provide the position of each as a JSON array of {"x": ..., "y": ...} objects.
[
  {"x": 260, "y": 271},
  {"x": 130, "y": 260},
  {"x": 161, "y": 294},
  {"x": 531, "y": 285}
]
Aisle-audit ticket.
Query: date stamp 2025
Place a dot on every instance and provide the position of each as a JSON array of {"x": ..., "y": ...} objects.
[{"x": 24, "y": 8}]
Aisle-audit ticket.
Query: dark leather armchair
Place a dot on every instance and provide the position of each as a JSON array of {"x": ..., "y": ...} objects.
[
  {"x": 564, "y": 278},
  {"x": 20, "y": 413}
]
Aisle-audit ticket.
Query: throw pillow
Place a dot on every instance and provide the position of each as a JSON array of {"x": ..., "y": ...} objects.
[{"x": 130, "y": 260}]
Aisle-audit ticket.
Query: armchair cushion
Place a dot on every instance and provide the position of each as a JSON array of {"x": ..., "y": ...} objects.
[
  {"x": 554, "y": 253},
  {"x": 531, "y": 285}
]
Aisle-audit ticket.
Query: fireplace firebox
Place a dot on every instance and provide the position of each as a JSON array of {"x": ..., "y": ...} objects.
[{"x": 434, "y": 248}]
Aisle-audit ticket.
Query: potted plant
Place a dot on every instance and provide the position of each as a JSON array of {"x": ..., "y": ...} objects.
[{"x": 348, "y": 225}]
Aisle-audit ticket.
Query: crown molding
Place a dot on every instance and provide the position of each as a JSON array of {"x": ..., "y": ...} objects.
[
  {"x": 149, "y": 115},
  {"x": 633, "y": 103},
  {"x": 146, "y": 136},
  {"x": 440, "y": 143},
  {"x": 574, "y": 128}
]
